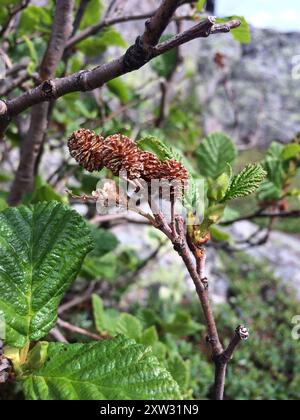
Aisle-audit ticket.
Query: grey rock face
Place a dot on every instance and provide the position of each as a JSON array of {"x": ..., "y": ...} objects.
[
  {"x": 256, "y": 97},
  {"x": 281, "y": 253}
]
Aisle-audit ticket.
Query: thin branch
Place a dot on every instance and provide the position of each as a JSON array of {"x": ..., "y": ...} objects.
[
  {"x": 79, "y": 15},
  {"x": 121, "y": 218},
  {"x": 260, "y": 215},
  {"x": 21, "y": 65},
  {"x": 127, "y": 280},
  {"x": 166, "y": 85},
  {"x": 12, "y": 14},
  {"x": 111, "y": 8},
  {"x": 94, "y": 29},
  {"x": 77, "y": 330},
  {"x": 78, "y": 300},
  {"x": 55, "y": 332},
  {"x": 15, "y": 83},
  {"x": 203, "y": 29}
]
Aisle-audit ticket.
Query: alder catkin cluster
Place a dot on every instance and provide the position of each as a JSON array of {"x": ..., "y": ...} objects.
[{"x": 120, "y": 153}]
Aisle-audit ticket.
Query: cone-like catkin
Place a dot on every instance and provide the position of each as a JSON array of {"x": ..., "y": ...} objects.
[
  {"x": 171, "y": 170},
  {"x": 85, "y": 147},
  {"x": 120, "y": 153}
]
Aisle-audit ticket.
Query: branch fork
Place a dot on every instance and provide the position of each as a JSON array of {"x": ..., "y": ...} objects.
[{"x": 183, "y": 246}]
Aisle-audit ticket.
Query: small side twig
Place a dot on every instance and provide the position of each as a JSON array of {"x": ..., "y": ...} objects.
[
  {"x": 77, "y": 330},
  {"x": 262, "y": 215},
  {"x": 58, "y": 336},
  {"x": 221, "y": 361},
  {"x": 78, "y": 300}
]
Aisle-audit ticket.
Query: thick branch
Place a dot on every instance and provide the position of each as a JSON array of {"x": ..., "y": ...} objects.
[
  {"x": 135, "y": 58},
  {"x": 156, "y": 26},
  {"x": 62, "y": 28}
]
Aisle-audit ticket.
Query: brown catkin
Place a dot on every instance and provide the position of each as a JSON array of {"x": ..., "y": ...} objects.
[
  {"x": 120, "y": 153},
  {"x": 85, "y": 147}
]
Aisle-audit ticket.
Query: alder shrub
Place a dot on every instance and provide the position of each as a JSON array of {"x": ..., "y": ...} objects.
[
  {"x": 66, "y": 330},
  {"x": 43, "y": 247}
]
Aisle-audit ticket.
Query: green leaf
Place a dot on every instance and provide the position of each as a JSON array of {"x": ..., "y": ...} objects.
[
  {"x": 41, "y": 251},
  {"x": 93, "y": 13},
  {"x": 3, "y": 204},
  {"x": 164, "y": 151},
  {"x": 193, "y": 195},
  {"x": 95, "y": 267},
  {"x": 5, "y": 176},
  {"x": 113, "y": 323},
  {"x": 156, "y": 146},
  {"x": 241, "y": 34},
  {"x": 119, "y": 89},
  {"x": 219, "y": 235},
  {"x": 275, "y": 150},
  {"x": 98, "y": 44},
  {"x": 214, "y": 154},
  {"x": 246, "y": 182},
  {"x": 165, "y": 64},
  {"x": 45, "y": 192},
  {"x": 275, "y": 171},
  {"x": 200, "y": 5},
  {"x": 291, "y": 151},
  {"x": 88, "y": 182},
  {"x": 106, "y": 320},
  {"x": 269, "y": 191},
  {"x": 104, "y": 240},
  {"x": 37, "y": 356},
  {"x": 31, "y": 48},
  {"x": 219, "y": 187},
  {"x": 9, "y": 2},
  {"x": 117, "y": 369},
  {"x": 180, "y": 370},
  {"x": 82, "y": 109},
  {"x": 214, "y": 213},
  {"x": 149, "y": 337},
  {"x": 182, "y": 324},
  {"x": 34, "y": 18},
  {"x": 129, "y": 326},
  {"x": 230, "y": 214}
]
